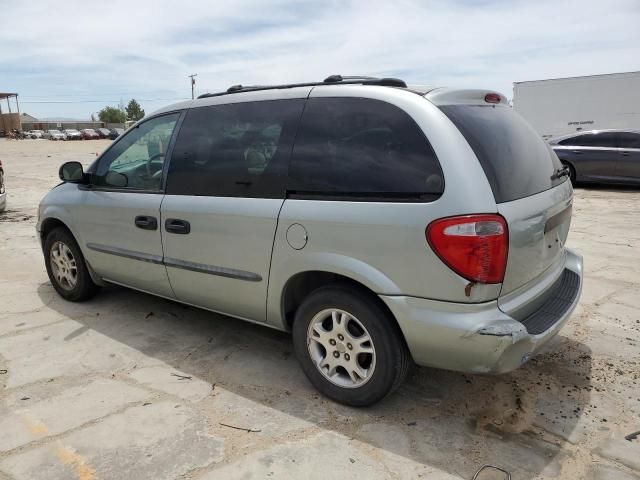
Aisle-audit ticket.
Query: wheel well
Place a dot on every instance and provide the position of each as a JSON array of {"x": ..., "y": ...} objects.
[
  {"x": 48, "y": 225},
  {"x": 302, "y": 284}
]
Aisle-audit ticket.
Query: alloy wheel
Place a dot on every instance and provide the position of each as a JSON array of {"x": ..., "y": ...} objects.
[
  {"x": 341, "y": 348},
  {"x": 63, "y": 265}
]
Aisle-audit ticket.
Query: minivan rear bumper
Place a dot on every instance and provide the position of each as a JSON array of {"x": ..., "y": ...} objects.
[{"x": 482, "y": 338}]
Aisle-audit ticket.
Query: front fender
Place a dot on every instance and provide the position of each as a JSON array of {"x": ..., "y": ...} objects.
[{"x": 58, "y": 205}]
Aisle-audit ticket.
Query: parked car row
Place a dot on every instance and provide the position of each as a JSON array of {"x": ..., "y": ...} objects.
[{"x": 73, "y": 134}]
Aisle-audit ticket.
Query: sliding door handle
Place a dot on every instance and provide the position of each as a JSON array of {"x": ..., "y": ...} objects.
[
  {"x": 175, "y": 225},
  {"x": 146, "y": 223}
]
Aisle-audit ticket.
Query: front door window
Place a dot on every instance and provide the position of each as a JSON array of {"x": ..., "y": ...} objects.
[{"x": 136, "y": 162}]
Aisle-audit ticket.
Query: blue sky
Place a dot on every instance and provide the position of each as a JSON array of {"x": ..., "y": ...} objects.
[{"x": 70, "y": 59}]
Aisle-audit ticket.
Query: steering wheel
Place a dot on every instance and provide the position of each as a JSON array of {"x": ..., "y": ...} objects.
[{"x": 150, "y": 161}]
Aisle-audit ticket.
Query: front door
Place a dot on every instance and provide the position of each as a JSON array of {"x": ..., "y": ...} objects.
[
  {"x": 120, "y": 215},
  {"x": 225, "y": 188}
]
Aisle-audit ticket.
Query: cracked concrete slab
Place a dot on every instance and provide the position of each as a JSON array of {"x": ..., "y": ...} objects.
[
  {"x": 11, "y": 324},
  {"x": 604, "y": 472},
  {"x": 160, "y": 440},
  {"x": 318, "y": 457},
  {"x": 63, "y": 349},
  {"x": 27, "y": 418},
  {"x": 233, "y": 409},
  {"x": 173, "y": 382},
  {"x": 617, "y": 449}
]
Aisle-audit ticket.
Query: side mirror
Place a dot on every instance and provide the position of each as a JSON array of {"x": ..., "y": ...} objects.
[{"x": 72, "y": 172}]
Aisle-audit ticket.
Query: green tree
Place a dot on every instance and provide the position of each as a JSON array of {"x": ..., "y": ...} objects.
[
  {"x": 111, "y": 115},
  {"x": 134, "y": 112}
]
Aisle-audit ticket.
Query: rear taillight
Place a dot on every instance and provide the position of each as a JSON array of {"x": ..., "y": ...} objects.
[{"x": 473, "y": 246}]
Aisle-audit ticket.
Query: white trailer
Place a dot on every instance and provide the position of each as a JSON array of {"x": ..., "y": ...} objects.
[{"x": 566, "y": 105}]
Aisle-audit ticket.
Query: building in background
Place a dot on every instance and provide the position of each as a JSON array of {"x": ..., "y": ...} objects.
[
  {"x": 9, "y": 116},
  {"x": 25, "y": 118},
  {"x": 566, "y": 105}
]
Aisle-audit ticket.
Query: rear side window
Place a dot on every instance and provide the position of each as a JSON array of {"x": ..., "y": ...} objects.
[
  {"x": 516, "y": 160},
  {"x": 607, "y": 140},
  {"x": 362, "y": 148},
  {"x": 629, "y": 140},
  {"x": 235, "y": 150}
]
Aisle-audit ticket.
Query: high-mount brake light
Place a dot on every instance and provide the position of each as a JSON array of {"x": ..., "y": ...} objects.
[
  {"x": 473, "y": 246},
  {"x": 492, "y": 98}
]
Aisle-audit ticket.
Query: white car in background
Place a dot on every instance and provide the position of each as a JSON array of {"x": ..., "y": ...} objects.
[
  {"x": 34, "y": 134},
  {"x": 55, "y": 135},
  {"x": 72, "y": 134}
]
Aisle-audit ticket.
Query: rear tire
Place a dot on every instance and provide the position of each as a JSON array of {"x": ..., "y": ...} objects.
[
  {"x": 67, "y": 268},
  {"x": 572, "y": 173},
  {"x": 349, "y": 346}
]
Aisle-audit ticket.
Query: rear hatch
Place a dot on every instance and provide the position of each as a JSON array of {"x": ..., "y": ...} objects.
[{"x": 523, "y": 173}]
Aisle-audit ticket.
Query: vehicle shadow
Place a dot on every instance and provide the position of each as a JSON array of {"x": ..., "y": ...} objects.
[{"x": 439, "y": 419}]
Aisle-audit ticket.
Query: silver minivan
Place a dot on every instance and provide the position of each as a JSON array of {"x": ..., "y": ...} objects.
[{"x": 383, "y": 225}]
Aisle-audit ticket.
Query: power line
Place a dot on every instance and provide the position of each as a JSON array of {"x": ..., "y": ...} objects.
[
  {"x": 117, "y": 94},
  {"x": 105, "y": 101}
]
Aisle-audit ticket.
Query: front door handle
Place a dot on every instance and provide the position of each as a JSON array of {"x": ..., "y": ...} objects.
[
  {"x": 175, "y": 225},
  {"x": 626, "y": 154},
  {"x": 146, "y": 223},
  {"x": 577, "y": 152}
]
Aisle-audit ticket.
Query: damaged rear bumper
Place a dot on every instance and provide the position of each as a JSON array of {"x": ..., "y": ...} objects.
[{"x": 491, "y": 337}]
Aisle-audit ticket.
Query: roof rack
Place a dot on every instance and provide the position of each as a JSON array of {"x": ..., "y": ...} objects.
[{"x": 330, "y": 80}]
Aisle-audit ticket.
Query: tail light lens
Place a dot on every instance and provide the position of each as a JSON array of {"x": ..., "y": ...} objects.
[
  {"x": 492, "y": 98},
  {"x": 473, "y": 246}
]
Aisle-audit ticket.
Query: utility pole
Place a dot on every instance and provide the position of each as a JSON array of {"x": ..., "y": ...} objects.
[
  {"x": 193, "y": 83},
  {"x": 124, "y": 114}
]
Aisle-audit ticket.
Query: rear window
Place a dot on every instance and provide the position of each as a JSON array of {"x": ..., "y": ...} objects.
[
  {"x": 517, "y": 162},
  {"x": 363, "y": 149}
]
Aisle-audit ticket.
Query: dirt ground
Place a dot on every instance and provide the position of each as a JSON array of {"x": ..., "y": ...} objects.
[{"x": 132, "y": 386}]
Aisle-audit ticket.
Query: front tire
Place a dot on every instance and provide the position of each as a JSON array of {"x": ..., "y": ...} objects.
[
  {"x": 67, "y": 268},
  {"x": 349, "y": 346}
]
